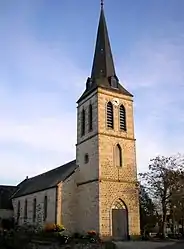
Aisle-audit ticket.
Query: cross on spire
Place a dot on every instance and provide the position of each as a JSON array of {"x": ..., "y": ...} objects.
[{"x": 102, "y": 3}]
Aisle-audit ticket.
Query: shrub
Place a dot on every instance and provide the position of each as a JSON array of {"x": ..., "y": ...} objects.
[
  {"x": 109, "y": 245},
  {"x": 14, "y": 240},
  {"x": 92, "y": 233},
  {"x": 77, "y": 235},
  {"x": 59, "y": 228},
  {"x": 93, "y": 236},
  {"x": 51, "y": 227},
  {"x": 7, "y": 224}
]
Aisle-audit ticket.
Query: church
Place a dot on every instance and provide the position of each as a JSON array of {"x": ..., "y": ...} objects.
[{"x": 99, "y": 190}]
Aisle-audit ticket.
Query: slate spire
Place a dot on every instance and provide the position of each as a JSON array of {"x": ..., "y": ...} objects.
[
  {"x": 103, "y": 65},
  {"x": 103, "y": 71}
]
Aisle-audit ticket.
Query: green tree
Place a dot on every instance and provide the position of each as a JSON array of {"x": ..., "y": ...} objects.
[
  {"x": 161, "y": 182},
  {"x": 148, "y": 217},
  {"x": 177, "y": 201}
]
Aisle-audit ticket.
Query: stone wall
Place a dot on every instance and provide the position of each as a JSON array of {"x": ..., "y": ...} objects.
[
  {"x": 88, "y": 172},
  {"x": 88, "y": 207},
  {"x": 113, "y": 183},
  {"x": 59, "y": 203},
  {"x": 117, "y": 182},
  {"x": 51, "y": 207},
  {"x": 69, "y": 204},
  {"x": 87, "y": 144},
  {"x": 110, "y": 192},
  {"x": 84, "y": 105}
]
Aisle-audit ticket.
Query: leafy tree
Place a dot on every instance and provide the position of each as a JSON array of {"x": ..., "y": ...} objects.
[
  {"x": 162, "y": 182},
  {"x": 148, "y": 216},
  {"x": 177, "y": 200}
]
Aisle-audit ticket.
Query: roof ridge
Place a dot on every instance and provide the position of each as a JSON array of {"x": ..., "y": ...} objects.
[
  {"x": 49, "y": 170},
  {"x": 46, "y": 180}
]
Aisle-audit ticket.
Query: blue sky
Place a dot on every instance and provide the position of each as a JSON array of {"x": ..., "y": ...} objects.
[{"x": 45, "y": 57}]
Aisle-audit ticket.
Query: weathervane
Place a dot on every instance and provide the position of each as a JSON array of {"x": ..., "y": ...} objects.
[{"x": 102, "y": 3}]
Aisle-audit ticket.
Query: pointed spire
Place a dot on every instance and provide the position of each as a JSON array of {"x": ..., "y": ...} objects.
[
  {"x": 103, "y": 65},
  {"x": 103, "y": 71}
]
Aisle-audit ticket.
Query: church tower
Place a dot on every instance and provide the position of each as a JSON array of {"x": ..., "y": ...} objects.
[{"x": 107, "y": 189}]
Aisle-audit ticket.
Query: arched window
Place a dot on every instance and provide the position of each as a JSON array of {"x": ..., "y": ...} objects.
[
  {"x": 122, "y": 117},
  {"x": 25, "y": 210},
  {"x": 18, "y": 212},
  {"x": 110, "y": 121},
  {"x": 118, "y": 156},
  {"x": 34, "y": 210},
  {"x": 90, "y": 117},
  {"x": 83, "y": 121},
  {"x": 45, "y": 209}
]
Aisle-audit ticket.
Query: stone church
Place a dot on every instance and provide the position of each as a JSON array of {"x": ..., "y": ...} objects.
[{"x": 99, "y": 190}]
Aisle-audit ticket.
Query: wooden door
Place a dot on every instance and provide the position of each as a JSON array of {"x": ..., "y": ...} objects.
[{"x": 120, "y": 224}]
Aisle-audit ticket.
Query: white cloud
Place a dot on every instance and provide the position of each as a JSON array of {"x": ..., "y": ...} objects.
[
  {"x": 50, "y": 134},
  {"x": 39, "y": 86},
  {"x": 155, "y": 75},
  {"x": 38, "y": 91}
]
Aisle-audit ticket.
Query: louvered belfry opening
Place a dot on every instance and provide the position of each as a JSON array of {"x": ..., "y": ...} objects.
[
  {"x": 122, "y": 114},
  {"x": 110, "y": 123},
  {"x": 83, "y": 121},
  {"x": 90, "y": 116}
]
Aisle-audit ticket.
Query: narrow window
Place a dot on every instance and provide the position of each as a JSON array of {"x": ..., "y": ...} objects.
[
  {"x": 18, "y": 212},
  {"x": 90, "y": 117},
  {"x": 122, "y": 118},
  {"x": 86, "y": 158},
  {"x": 45, "y": 209},
  {"x": 118, "y": 156},
  {"x": 34, "y": 210},
  {"x": 83, "y": 123},
  {"x": 25, "y": 210},
  {"x": 110, "y": 123}
]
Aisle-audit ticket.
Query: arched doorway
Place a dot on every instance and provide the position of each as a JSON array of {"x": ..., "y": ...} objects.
[{"x": 119, "y": 220}]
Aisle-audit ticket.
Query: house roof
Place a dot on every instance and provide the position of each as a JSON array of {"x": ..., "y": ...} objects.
[
  {"x": 5, "y": 194},
  {"x": 46, "y": 180}
]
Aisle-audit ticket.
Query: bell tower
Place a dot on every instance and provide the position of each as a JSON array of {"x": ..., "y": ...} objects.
[{"x": 108, "y": 196}]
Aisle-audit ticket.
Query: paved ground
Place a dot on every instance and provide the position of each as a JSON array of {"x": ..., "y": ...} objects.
[
  {"x": 149, "y": 245},
  {"x": 136, "y": 245}
]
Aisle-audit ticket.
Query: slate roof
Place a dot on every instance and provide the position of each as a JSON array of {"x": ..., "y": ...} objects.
[
  {"x": 103, "y": 83},
  {"x": 103, "y": 69},
  {"x": 46, "y": 180},
  {"x": 103, "y": 64},
  {"x": 5, "y": 194}
]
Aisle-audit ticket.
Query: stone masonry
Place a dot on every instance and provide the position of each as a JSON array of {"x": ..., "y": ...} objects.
[
  {"x": 117, "y": 182},
  {"x": 112, "y": 182}
]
